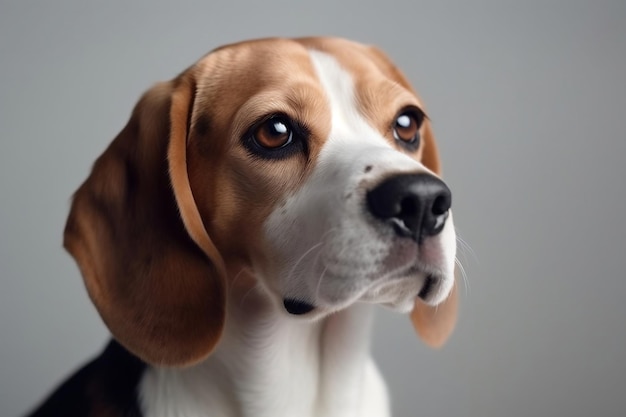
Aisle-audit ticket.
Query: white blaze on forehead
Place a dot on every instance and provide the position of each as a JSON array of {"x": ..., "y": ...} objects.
[
  {"x": 351, "y": 136},
  {"x": 339, "y": 88}
]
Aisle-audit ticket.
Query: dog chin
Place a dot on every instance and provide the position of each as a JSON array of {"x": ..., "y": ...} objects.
[
  {"x": 310, "y": 312},
  {"x": 397, "y": 296},
  {"x": 403, "y": 306}
]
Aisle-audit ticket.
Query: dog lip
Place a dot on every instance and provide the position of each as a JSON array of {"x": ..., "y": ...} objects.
[
  {"x": 297, "y": 307},
  {"x": 427, "y": 288}
]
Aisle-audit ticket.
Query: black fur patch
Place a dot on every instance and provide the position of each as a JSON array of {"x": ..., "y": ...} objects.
[{"x": 107, "y": 386}]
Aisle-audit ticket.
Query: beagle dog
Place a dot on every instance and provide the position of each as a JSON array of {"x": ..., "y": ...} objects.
[{"x": 236, "y": 233}]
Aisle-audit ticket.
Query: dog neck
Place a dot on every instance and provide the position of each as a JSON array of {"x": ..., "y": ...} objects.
[{"x": 270, "y": 364}]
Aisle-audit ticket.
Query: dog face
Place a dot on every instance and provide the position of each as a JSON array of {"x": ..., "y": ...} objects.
[
  {"x": 330, "y": 247},
  {"x": 309, "y": 162}
]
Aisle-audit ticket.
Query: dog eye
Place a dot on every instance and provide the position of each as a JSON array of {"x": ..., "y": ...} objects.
[
  {"x": 406, "y": 127},
  {"x": 273, "y": 133}
]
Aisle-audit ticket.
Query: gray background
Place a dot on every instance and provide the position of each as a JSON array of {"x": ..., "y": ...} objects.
[{"x": 529, "y": 105}]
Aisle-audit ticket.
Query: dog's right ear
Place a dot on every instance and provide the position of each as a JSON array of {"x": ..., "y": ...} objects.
[{"x": 134, "y": 229}]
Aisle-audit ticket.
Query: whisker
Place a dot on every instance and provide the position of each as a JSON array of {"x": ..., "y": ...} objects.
[
  {"x": 312, "y": 248},
  {"x": 317, "y": 245},
  {"x": 319, "y": 282},
  {"x": 465, "y": 247},
  {"x": 463, "y": 275}
]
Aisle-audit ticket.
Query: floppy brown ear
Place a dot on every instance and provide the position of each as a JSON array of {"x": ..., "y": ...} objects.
[
  {"x": 434, "y": 324},
  {"x": 134, "y": 229}
]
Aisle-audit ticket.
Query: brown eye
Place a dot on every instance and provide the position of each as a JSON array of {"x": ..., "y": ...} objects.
[
  {"x": 406, "y": 128},
  {"x": 273, "y": 133}
]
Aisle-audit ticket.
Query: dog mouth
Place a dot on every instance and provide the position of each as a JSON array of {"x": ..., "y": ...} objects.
[
  {"x": 429, "y": 285},
  {"x": 298, "y": 307}
]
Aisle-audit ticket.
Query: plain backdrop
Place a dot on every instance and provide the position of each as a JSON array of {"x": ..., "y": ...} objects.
[{"x": 528, "y": 101}]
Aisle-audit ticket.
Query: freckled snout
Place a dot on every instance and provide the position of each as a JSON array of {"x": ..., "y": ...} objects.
[{"x": 416, "y": 205}]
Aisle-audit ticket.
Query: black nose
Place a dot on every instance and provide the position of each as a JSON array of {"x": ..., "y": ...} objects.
[{"x": 417, "y": 205}]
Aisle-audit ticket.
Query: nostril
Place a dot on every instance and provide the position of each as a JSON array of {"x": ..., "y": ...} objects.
[
  {"x": 441, "y": 205},
  {"x": 410, "y": 214},
  {"x": 408, "y": 206}
]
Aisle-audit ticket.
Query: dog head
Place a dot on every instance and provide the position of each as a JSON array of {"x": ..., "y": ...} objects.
[{"x": 309, "y": 162}]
